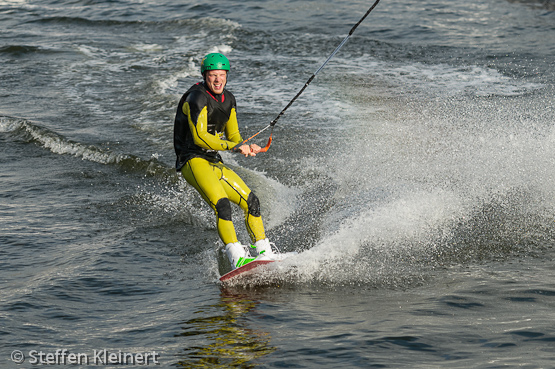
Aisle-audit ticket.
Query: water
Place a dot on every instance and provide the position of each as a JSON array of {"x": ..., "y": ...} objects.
[{"x": 415, "y": 176}]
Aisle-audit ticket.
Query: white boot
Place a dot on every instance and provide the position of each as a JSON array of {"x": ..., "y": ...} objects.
[
  {"x": 237, "y": 255},
  {"x": 264, "y": 247},
  {"x": 265, "y": 251}
]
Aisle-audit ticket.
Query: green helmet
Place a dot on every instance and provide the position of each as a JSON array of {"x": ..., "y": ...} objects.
[{"x": 214, "y": 61}]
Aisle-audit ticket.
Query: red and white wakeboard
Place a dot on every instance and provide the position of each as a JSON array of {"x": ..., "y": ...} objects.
[
  {"x": 244, "y": 271},
  {"x": 252, "y": 269}
]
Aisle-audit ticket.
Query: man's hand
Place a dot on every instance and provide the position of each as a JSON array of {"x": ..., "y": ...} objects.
[
  {"x": 255, "y": 149},
  {"x": 247, "y": 150}
]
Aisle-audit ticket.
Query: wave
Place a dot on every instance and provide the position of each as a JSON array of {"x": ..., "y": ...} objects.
[
  {"x": 18, "y": 50},
  {"x": 539, "y": 4},
  {"x": 197, "y": 22},
  {"x": 80, "y": 21},
  {"x": 58, "y": 144}
]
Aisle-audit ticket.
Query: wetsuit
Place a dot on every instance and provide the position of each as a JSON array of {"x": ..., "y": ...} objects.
[{"x": 201, "y": 121}]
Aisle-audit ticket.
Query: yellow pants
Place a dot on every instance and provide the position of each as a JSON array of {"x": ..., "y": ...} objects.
[{"x": 218, "y": 185}]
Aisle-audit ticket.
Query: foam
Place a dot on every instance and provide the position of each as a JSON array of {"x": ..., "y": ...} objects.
[
  {"x": 278, "y": 201},
  {"x": 8, "y": 124},
  {"x": 440, "y": 79},
  {"x": 367, "y": 241},
  {"x": 427, "y": 183},
  {"x": 223, "y": 49},
  {"x": 13, "y": 2},
  {"x": 169, "y": 84},
  {"x": 146, "y": 48}
]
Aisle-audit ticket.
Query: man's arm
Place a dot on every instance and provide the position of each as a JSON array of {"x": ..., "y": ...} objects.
[
  {"x": 232, "y": 128},
  {"x": 198, "y": 124}
]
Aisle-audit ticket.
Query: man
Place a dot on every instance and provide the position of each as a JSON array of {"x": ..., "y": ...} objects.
[{"x": 205, "y": 114}]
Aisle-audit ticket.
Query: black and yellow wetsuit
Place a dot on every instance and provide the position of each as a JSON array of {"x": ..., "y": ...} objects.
[{"x": 201, "y": 122}]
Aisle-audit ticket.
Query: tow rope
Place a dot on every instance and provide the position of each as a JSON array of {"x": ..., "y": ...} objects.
[{"x": 273, "y": 123}]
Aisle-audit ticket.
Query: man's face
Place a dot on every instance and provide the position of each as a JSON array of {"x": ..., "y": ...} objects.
[{"x": 216, "y": 80}]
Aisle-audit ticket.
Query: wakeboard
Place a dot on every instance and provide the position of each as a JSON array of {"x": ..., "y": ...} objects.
[
  {"x": 244, "y": 271},
  {"x": 252, "y": 270}
]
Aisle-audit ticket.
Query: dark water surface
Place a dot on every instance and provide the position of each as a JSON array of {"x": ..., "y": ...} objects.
[{"x": 415, "y": 177}]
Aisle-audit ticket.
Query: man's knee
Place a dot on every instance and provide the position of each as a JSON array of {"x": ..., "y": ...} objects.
[
  {"x": 223, "y": 209},
  {"x": 254, "y": 205}
]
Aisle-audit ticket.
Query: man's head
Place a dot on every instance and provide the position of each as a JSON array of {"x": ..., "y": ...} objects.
[{"x": 214, "y": 68}]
